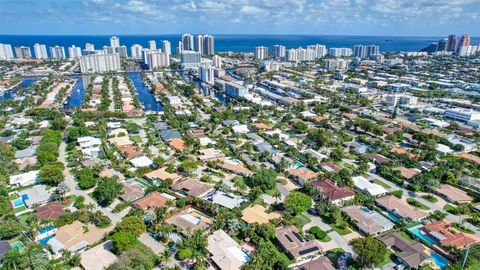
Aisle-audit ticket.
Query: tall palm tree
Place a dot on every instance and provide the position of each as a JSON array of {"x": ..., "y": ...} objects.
[{"x": 166, "y": 256}]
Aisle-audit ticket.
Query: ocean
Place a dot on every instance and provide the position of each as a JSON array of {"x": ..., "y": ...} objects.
[{"x": 234, "y": 43}]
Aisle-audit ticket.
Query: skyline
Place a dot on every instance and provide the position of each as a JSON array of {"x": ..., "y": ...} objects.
[{"x": 306, "y": 17}]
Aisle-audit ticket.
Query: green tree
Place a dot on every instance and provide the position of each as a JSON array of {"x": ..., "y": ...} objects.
[
  {"x": 107, "y": 190},
  {"x": 86, "y": 178},
  {"x": 123, "y": 240},
  {"x": 52, "y": 174},
  {"x": 369, "y": 251},
  {"x": 138, "y": 258},
  {"x": 132, "y": 224},
  {"x": 297, "y": 202},
  {"x": 265, "y": 179}
]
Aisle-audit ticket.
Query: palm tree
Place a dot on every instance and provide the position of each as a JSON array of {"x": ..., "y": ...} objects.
[
  {"x": 277, "y": 195},
  {"x": 166, "y": 256}
]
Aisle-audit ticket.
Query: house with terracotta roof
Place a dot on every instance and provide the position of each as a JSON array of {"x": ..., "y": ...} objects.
[
  {"x": 189, "y": 219},
  {"x": 153, "y": 201},
  {"x": 177, "y": 144},
  {"x": 329, "y": 167},
  {"x": 262, "y": 126},
  {"x": 299, "y": 248},
  {"x": 453, "y": 194},
  {"x": 258, "y": 214},
  {"x": 162, "y": 174},
  {"x": 131, "y": 191},
  {"x": 192, "y": 187},
  {"x": 321, "y": 263},
  {"x": 236, "y": 167},
  {"x": 330, "y": 192},
  {"x": 470, "y": 157},
  {"x": 130, "y": 151},
  {"x": 402, "y": 151},
  {"x": 367, "y": 221},
  {"x": 443, "y": 232},
  {"x": 210, "y": 154},
  {"x": 410, "y": 253},
  {"x": 51, "y": 210},
  {"x": 302, "y": 175},
  {"x": 400, "y": 208},
  {"x": 407, "y": 173}
]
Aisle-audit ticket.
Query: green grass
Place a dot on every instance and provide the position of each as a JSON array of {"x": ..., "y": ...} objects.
[
  {"x": 20, "y": 209},
  {"x": 23, "y": 218},
  {"x": 389, "y": 256},
  {"x": 136, "y": 138},
  {"x": 404, "y": 235},
  {"x": 300, "y": 220},
  {"x": 341, "y": 231},
  {"x": 450, "y": 209},
  {"x": 429, "y": 198},
  {"x": 397, "y": 193},
  {"x": 380, "y": 183},
  {"x": 417, "y": 204},
  {"x": 462, "y": 228}
]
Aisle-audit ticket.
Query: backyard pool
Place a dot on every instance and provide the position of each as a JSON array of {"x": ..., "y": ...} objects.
[
  {"x": 45, "y": 229},
  {"x": 393, "y": 217},
  {"x": 439, "y": 260},
  {"x": 17, "y": 203},
  {"x": 44, "y": 241},
  {"x": 418, "y": 233}
]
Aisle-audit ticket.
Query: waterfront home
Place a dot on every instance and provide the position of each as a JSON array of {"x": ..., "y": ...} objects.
[
  {"x": 367, "y": 221},
  {"x": 410, "y": 253},
  {"x": 400, "y": 208}
]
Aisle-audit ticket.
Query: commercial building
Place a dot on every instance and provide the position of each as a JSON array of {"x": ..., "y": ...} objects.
[
  {"x": 136, "y": 51},
  {"x": 122, "y": 51},
  {"x": 235, "y": 90},
  {"x": 114, "y": 42},
  {"x": 23, "y": 52},
  {"x": 74, "y": 52},
  {"x": 189, "y": 59},
  {"x": 206, "y": 74},
  {"x": 156, "y": 58},
  {"x": 40, "y": 51},
  {"x": 336, "y": 64},
  {"x": 463, "y": 115},
  {"x": 260, "y": 53},
  {"x": 6, "y": 52},
  {"x": 166, "y": 47},
  {"x": 278, "y": 51},
  {"x": 100, "y": 62},
  {"x": 340, "y": 52},
  {"x": 57, "y": 52},
  {"x": 187, "y": 42},
  {"x": 152, "y": 44}
]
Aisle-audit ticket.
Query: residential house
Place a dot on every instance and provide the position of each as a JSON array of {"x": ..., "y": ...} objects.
[
  {"x": 162, "y": 174},
  {"x": 189, "y": 219},
  {"x": 299, "y": 248},
  {"x": 192, "y": 187},
  {"x": 362, "y": 184},
  {"x": 27, "y": 152},
  {"x": 4, "y": 248},
  {"x": 34, "y": 195},
  {"x": 225, "y": 252},
  {"x": 75, "y": 238},
  {"x": 235, "y": 166},
  {"x": 24, "y": 179},
  {"x": 473, "y": 158},
  {"x": 120, "y": 141},
  {"x": 99, "y": 257},
  {"x": 210, "y": 154},
  {"x": 130, "y": 151},
  {"x": 89, "y": 145},
  {"x": 257, "y": 214},
  {"x": 226, "y": 200},
  {"x": 400, "y": 208},
  {"x": 142, "y": 161},
  {"x": 367, "y": 221},
  {"x": 330, "y": 192},
  {"x": 153, "y": 201},
  {"x": 51, "y": 210},
  {"x": 302, "y": 175},
  {"x": 240, "y": 129},
  {"x": 357, "y": 147},
  {"x": 177, "y": 144},
  {"x": 412, "y": 254},
  {"x": 322, "y": 263},
  {"x": 329, "y": 167},
  {"x": 407, "y": 173},
  {"x": 470, "y": 182},
  {"x": 443, "y": 232},
  {"x": 168, "y": 135},
  {"x": 132, "y": 191},
  {"x": 453, "y": 194}
]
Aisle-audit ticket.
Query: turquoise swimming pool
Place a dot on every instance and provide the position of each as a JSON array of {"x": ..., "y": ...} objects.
[
  {"x": 17, "y": 203},
  {"x": 46, "y": 229},
  {"x": 439, "y": 260},
  {"x": 418, "y": 233},
  {"x": 44, "y": 241},
  {"x": 393, "y": 217}
]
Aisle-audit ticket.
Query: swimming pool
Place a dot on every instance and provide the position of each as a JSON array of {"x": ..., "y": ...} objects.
[
  {"x": 418, "y": 233},
  {"x": 393, "y": 217},
  {"x": 44, "y": 241},
  {"x": 17, "y": 203},
  {"x": 439, "y": 260},
  {"x": 46, "y": 229}
]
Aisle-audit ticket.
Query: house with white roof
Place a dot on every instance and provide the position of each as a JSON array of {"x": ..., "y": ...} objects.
[
  {"x": 243, "y": 129},
  {"x": 142, "y": 161},
  {"x": 227, "y": 200},
  {"x": 24, "y": 179},
  {"x": 225, "y": 252},
  {"x": 90, "y": 145},
  {"x": 362, "y": 184}
]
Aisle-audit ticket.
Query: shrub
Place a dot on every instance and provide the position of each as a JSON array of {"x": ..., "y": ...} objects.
[{"x": 318, "y": 233}]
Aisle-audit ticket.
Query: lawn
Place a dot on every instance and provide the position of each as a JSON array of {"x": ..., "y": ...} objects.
[
  {"x": 340, "y": 231},
  {"x": 429, "y": 198},
  {"x": 300, "y": 220},
  {"x": 404, "y": 235},
  {"x": 462, "y": 228},
  {"x": 417, "y": 204},
  {"x": 380, "y": 183},
  {"x": 450, "y": 209},
  {"x": 136, "y": 139},
  {"x": 389, "y": 256},
  {"x": 20, "y": 209}
]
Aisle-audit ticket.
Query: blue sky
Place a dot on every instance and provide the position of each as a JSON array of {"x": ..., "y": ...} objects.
[{"x": 332, "y": 17}]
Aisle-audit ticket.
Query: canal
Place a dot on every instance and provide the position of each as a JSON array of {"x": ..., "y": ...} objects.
[
  {"x": 78, "y": 92},
  {"x": 144, "y": 95},
  {"x": 26, "y": 82}
]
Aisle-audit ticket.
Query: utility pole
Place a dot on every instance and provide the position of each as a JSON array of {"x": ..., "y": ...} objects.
[{"x": 465, "y": 259}]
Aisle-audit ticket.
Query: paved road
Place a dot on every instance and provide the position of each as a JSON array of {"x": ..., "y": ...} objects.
[
  {"x": 145, "y": 238},
  {"x": 111, "y": 107},
  {"x": 337, "y": 238},
  {"x": 434, "y": 207}
]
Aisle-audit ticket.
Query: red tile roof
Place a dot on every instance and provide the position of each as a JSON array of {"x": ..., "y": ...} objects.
[
  {"x": 451, "y": 237},
  {"x": 130, "y": 151},
  {"x": 52, "y": 210},
  {"x": 333, "y": 192}
]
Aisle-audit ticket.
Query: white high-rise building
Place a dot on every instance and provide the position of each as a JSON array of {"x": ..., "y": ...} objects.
[
  {"x": 100, "y": 62},
  {"x": 57, "y": 52},
  {"x": 306, "y": 55},
  {"x": 189, "y": 59},
  {"x": 156, "y": 58},
  {"x": 122, "y": 51},
  {"x": 199, "y": 47},
  {"x": 6, "y": 52},
  {"x": 187, "y": 41},
  {"x": 23, "y": 52},
  {"x": 152, "y": 44},
  {"x": 336, "y": 64},
  {"x": 217, "y": 61},
  {"x": 74, "y": 52},
  {"x": 206, "y": 74},
  {"x": 340, "y": 52},
  {"x": 180, "y": 48},
  {"x": 320, "y": 50},
  {"x": 260, "y": 53},
  {"x": 208, "y": 45},
  {"x": 114, "y": 42},
  {"x": 292, "y": 55},
  {"x": 89, "y": 47},
  {"x": 136, "y": 51},
  {"x": 363, "y": 51},
  {"x": 278, "y": 51},
  {"x": 166, "y": 47},
  {"x": 40, "y": 51}
]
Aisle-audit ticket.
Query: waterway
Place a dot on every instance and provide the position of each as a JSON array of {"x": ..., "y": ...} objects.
[
  {"x": 26, "y": 82},
  {"x": 144, "y": 95},
  {"x": 78, "y": 93}
]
